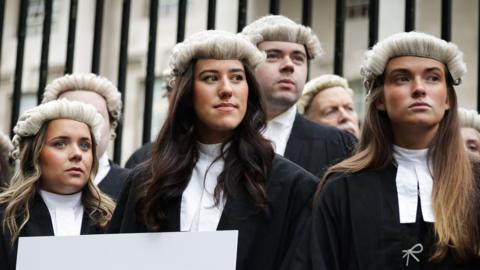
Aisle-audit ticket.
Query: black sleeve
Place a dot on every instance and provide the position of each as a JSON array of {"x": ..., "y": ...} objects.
[{"x": 139, "y": 156}]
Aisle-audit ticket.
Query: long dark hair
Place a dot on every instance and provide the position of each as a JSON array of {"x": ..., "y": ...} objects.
[{"x": 247, "y": 161}]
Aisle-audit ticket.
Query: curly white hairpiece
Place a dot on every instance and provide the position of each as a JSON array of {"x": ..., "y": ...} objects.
[
  {"x": 314, "y": 86},
  {"x": 469, "y": 118},
  {"x": 214, "y": 44},
  {"x": 412, "y": 44},
  {"x": 281, "y": 28},
  {"x": 88, "y": 82},
  {"x": 32, "y": 120}
]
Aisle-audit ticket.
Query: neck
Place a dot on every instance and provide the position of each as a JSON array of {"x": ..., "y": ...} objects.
[
  {"x": 414, "y": 137},
  {"x": 274, "y": 112}
]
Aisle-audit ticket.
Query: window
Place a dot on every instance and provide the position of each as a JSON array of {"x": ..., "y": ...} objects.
[{"x": 36, "y": 15}]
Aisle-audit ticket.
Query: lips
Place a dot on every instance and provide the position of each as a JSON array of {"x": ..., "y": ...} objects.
[
  {"x": 419, "y": 105},
  {"x": 75, "y": 170},
  {"x": 225, "y": 106},
  {"x": 286, "y": 81}
]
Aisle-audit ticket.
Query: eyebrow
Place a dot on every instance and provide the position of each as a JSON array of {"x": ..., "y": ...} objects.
[
  {"x": 68, "y": 138},
  {"x": 280, "y": 51},
  {"x": 405, "y": 70},
  {"x": 232, "y": 70}
]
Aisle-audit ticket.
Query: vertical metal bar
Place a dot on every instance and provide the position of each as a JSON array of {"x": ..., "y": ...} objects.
[
  {"x": 72, "y": 26},
  {"x": 150, "y": 78},
  {"x": 2, "y": 16},
  {"x": 47, "y": 24},
  {"x": 373, "y": 11},
  {"x": 212, "y": 10},
  {"x": 409, "y": 15},
  {"x": 97, "y": 36},
  {"x": 17, "y": 84},
  {"x": 274, "y": 7},
  {"x": 307, "y": 13},
  {"x": 339, "y": 37},
  {"x": 447, "y": 20},
  {"x": 478, "y": 57},
  {"x": 182, "y": 17},
  {"x": 242, "y": 15},
  {"x": 122, "y": 75}
]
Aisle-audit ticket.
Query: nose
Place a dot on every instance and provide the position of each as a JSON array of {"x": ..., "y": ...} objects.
[
  {"x": 75, "y": 153},
  {"x": 343, "y": 116},
  {"x": 418, "y": 88},
  {"x": 287, "y": 65},
  {"x": 225, "y": 88}
]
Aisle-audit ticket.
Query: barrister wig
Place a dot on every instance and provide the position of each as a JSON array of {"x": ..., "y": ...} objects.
[
  {"x": 33, "y": 119},
  {"x": 281, "y": 28},
  {"x": 214, "y": 44},
  {"x": 88, "y": 82},
  {"x": 412, "y": 44},
  {"x": 315, "y": 86},
  {"x": 469, "y": 118}
]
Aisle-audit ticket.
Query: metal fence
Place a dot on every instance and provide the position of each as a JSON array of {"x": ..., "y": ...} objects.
[{"x": 274, "y": 8}]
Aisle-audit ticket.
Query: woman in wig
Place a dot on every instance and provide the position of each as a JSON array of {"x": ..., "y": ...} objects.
[
  {"x": 6, "y": 166},
  {"x": 210, "y": 167},
  {"x": 408, "y": 198},
  {"x": 52, "y": 192}
]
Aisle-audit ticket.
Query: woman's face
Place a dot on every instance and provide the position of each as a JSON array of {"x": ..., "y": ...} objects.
[
  {"x": 471, "y": 140},
  {"x": 66, "y": 158},
  {"x": 220, "y": 98},
  {"x": 415, "y": 92}
]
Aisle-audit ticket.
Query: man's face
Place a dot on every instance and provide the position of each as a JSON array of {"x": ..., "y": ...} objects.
[{"x": 283, "y": 75}]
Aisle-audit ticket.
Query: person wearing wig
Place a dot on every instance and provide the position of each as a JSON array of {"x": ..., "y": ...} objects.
[
  {"x": 210, "y": 168},
  {"x": 6, "y": 166},
  {"x": 288, "y": 47},
  {"x": 328, "y": 100},
  {"x": 408, "y": 198},
  {"x": 52, "y": 192},
  {"x": 470, "y": 130},
  {"x": 105, "y": 97}
]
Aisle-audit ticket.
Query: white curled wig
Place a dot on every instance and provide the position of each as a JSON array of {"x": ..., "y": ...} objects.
[
  {"x": 469, "y": 118},
  {"x": 412, "y": 44},
  {"x": 214, "y": 44},
  {"x": 281, "y": 28},
  {"x": 88, "y": 82},
  {"x": 5, "y": 146},
  {"x": 30, "y": 122},
  {"x": 315, "y": 86}
]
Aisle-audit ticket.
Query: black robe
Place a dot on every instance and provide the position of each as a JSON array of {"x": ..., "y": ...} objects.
[
  {"x": 264, "y": 241},
  {"x": 112, "y": 183},
  {"x": 39, "y": 224},
  {"x": 315, "y": 147},
  {"x": 356, "y": 225},
  {"x": 140, "y": 155}
]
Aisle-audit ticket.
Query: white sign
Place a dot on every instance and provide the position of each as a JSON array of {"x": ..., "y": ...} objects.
[{"x": 137, "y": 251}]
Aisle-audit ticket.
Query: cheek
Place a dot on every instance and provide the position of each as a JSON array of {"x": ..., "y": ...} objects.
[{"x": 50, "y": 161}]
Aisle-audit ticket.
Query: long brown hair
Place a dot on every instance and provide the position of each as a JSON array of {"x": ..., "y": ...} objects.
[
  {"x": 247, "y": 161},
  {"x": 25, "y": 183},
  {"x": 455, "y": 197}
]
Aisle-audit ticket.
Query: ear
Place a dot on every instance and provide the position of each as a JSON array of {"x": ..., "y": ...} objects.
[{"x": 380, "y": 105}]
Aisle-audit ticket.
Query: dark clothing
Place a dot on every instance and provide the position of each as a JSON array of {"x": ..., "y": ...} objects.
[
  {"x": 39, "y": 224},
  {"x": 315, "y": 147},
  {"x": 140, "y": 155},
  {"x": 264, "y": 240},
  {"x": 356, "y": 225},
  {"x": 112, "y": 183}
]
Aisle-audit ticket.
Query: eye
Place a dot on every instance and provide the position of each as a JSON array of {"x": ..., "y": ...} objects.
[
  {"x": 209, "y": 78},
  {"x": 59, "y": 144},
  {"x": 298, "y": 58},
  {"x": 433, "y": 78},
  {"x": 237, "y": 77},
  {"x": 273, "y": 56},
  {"x": 349, "y": 108},
  {"x": 85, "y": 145}
]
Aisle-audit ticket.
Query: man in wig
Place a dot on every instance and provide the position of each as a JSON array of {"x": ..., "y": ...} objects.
[{"x": 288, "y": 47}]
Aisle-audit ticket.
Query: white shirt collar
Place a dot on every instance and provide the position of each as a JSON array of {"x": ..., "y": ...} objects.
[
  {"x": 279, "y": 128},
  {"x": 103, "y": 168},
  {"x": 198, "y": 211},
  {"x": 66, "y": 212},
  {"x": 413, "y": 180}
]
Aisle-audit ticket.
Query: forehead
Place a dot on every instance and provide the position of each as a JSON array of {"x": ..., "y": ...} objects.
[
  {"x": 413, "y": 64},
  {"x": 67, "y": 128},
  {"x": 218, "y": 65},
  {"x": 333, "y": 95},
  {"x": 283, "y": 46},
  {"x": 470, "y": 133}
]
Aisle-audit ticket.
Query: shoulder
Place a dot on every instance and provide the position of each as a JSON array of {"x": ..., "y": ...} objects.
[
  {"x": 307, "y": 129},
  {"x": 285, "y": 171},
  {"x": 139, "y": 155}
]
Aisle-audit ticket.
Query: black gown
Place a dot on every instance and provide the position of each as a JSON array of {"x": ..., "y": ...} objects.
[
  {"x": 356, "y": 225},
  {"x": 264, "y": 242},
  {"x": 112, "y": 183},
  {"x": 39, "y": 224}
]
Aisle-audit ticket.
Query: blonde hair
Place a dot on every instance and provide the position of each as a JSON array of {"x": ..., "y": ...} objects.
[
  {"x": 455, "y": 197},
  {"x": 23, "y": 187}
]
